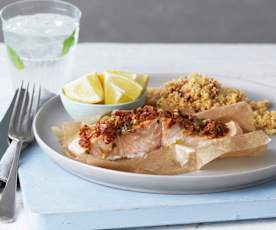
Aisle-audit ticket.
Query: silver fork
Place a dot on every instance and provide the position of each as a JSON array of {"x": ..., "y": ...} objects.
[{"x": 20, "y": 131}]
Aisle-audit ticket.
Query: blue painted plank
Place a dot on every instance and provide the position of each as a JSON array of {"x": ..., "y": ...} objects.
[{"x": 56, "y": 199}]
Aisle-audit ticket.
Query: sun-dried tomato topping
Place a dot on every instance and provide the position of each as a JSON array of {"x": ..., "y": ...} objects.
[
  {"x": 193, "y": 125},
  {"x": 145, "y": 113},
  {"x": 215, "y": 129},
  {"x": 122, "y": 122},
  {"x": 85, "y": 135}
]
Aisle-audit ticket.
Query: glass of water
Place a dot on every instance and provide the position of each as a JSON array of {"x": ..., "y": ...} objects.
[{"x": 40, "y": 37}]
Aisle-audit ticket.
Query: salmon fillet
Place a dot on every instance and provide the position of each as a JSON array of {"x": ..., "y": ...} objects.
[
  {"x": 175, "y": 133},
  {"x": 133, "y": 134},
  {"x": 142, "y": 141}
]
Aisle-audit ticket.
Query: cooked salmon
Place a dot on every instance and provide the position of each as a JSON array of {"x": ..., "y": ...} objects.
[
  {"x": 125, "y": 134},
  {"x": 143, "y": 140},
  {"x": 176, "y": 134}
]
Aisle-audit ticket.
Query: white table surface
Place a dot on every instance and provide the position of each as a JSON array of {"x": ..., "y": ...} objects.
[{"x": 254, "y": 62}]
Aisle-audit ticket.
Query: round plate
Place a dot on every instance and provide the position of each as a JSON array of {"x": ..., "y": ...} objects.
[{"x": 220, "y": 175}]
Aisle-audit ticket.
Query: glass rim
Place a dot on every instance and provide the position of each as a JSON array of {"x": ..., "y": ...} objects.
[{"x": 24, "y": 1}]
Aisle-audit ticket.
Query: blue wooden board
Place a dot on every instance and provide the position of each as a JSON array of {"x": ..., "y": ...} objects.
[{"x": 55, "y": 199}]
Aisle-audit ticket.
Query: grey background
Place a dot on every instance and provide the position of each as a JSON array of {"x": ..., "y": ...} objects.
[{"x": 176, "y": 20}]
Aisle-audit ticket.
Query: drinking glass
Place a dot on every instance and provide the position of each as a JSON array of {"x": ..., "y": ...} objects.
[{"x": 40, "y": 37}]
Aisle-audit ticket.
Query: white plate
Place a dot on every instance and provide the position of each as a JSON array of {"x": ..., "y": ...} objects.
[{"x": 220, "y": 175}]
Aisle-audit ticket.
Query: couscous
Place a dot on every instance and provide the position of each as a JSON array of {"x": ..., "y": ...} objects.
[{"x": 197, "y": 92}]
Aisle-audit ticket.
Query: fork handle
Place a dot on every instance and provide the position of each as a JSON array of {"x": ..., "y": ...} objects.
[
  {"x": 6, "y": 161},
  {"x": 7, "y": 202}
]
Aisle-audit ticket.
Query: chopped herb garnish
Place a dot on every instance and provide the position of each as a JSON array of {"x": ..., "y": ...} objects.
[
  {"x": 15, "y": 59},
  {"x": 68, "y": 43}
]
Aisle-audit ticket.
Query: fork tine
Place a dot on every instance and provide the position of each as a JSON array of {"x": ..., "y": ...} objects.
[
  {"x": 15, "y": 107},
  {"x": 38, "y": 98},
  {"x": 23, "y": 106},
  {"x": 29, "y": 112}
]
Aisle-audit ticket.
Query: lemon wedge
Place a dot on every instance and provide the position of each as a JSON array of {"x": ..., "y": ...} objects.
[
  {"x": 101, "y": 78},
  {"x": 130, "y": 88},
  {"x": 142, "y": 79},
  {"x": 87, "y": 89},
  {"x": 112, "y": 93},
  {"x": 124, "y": 99}
]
